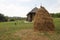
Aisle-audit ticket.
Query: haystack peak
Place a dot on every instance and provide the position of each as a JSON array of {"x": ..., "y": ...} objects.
[{"x": 42, "y": 8}]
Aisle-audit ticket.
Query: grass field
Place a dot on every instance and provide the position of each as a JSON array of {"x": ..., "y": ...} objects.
[{"x": 7, "y": 29}]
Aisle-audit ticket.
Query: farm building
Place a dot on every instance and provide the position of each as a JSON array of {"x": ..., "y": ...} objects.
[{"x": 31, "y": 14}]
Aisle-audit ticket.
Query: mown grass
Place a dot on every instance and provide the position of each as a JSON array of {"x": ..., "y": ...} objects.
[{"x": 7, "y": 29}]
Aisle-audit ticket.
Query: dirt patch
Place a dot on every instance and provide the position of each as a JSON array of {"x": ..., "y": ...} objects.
[{"x": 29, "y": 34}]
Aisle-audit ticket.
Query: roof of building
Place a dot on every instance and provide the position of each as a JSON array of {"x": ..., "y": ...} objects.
[
  {"x": 37, "y": 9},
  {"x": 33, "y": 10}
]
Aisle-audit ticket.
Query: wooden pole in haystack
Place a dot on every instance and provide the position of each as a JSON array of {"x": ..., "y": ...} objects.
[{"x": 43, "y": 21}]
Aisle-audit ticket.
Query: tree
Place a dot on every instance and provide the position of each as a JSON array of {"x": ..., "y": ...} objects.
[
  {"x": 2, "y": 18},
  {"x": 55, "y": 15}
]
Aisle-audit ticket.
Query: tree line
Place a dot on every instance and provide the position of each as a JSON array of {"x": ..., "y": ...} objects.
[
  {"x": 6, "y": 18},
  {"x": 55, "y": 15},
  {"x": 3, "y": 18}
]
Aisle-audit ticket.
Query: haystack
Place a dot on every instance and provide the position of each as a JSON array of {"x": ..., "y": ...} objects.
[{"x": 43, "y": 21}]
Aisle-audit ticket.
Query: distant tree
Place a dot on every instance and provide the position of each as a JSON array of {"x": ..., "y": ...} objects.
[
  {"x": 52, "y": 14},
  {"x": 55, "y": 15},
  {"x": 12, "y": 19},
  {"x": 2, "y": 18},
  {"x": 6, "y": 18}
]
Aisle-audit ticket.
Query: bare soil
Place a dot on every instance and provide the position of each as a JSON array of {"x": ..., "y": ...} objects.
[{"x": 29, "y": 34}]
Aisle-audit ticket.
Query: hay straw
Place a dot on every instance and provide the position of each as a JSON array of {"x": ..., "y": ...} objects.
[{"x": 43, "y": 21}]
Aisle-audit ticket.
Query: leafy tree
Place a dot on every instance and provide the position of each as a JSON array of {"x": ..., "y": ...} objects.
[
  {"x": 55, "y": 15},
  {"x": 2, "y": 18}
]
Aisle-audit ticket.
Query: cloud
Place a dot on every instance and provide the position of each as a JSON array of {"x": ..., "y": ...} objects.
[
  {"x": 13, "y": 10},
  {"x": 57, "y": 6},
  {"x": 19, "y": 8},
  {"x": 58, "y": 1},
  {"x": 24, "y": 0}
]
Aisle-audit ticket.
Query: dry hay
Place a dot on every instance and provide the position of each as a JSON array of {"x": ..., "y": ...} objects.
[{"x": 43, "y": 21}]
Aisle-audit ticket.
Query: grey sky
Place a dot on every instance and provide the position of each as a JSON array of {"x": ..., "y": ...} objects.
[{"x": 22, "y": 7}]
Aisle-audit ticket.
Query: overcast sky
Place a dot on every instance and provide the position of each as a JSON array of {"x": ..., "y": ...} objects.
[{"x": 22, "y": 7}]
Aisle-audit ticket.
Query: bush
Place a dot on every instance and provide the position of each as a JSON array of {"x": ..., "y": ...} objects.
[{"x": 12, "y": 19}]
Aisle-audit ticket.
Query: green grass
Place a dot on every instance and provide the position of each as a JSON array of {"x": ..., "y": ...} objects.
[
  {"x": 7, "y": 29},
  {"x": 57, "y": 25}
]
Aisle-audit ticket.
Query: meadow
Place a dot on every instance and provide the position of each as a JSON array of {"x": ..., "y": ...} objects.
[{"x": 7, "y": 29}]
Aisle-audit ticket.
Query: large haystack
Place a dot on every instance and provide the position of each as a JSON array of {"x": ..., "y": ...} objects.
[{"x": 43, "y": 21}]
